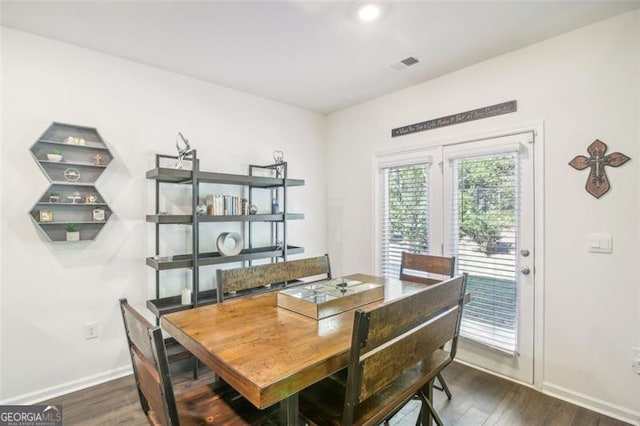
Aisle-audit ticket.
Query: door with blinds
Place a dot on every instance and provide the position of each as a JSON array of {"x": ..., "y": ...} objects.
[
  {"x": 488, "y": 226},
  {"x": 473, "y": 201}
]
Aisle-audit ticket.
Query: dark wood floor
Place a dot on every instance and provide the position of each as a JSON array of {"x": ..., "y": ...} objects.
[{"x": 478, "y": 399}]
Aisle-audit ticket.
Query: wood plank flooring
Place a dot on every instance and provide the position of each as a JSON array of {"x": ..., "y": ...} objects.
[{"x": 478, "y": 399}]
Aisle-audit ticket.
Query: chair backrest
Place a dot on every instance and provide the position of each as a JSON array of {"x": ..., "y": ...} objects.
[
  {"x": 414, "y": 262},
  {"x": 230, "y": 280},
  {"x": 395, "y": 336},
  {"x": 150, "y": 366}
]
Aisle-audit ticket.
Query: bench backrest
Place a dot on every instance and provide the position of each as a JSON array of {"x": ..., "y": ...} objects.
[
  {"x": 230, "y": 280},
  {"x": 392, "y": 338}
]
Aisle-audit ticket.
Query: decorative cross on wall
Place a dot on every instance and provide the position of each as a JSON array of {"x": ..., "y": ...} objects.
[{"x": 597, "y": 183}]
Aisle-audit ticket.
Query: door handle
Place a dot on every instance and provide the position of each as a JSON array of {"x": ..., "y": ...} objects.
[{"x": 525, "y": 270}]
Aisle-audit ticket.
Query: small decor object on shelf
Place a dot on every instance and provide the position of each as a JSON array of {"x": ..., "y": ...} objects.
[
  {"x": 253, "y": 209},
  {"x": 72, "y": 175},
  {"x": 45, "y": 215},
  {"x": 98, "y": 215},
  {"x": 55, "y": 155},
  {"x": 72, "y": 232},
  {"x": 229, "y": 243},
  {"x": 184, "y": 151},
  {"x": 597, "y": 182},
  {"x": 75, "y": 197},
  {"x": 201, "y": 208},
  {"x": 54, "y": 197},
  {"x": 72, "y": 140},
  {"x": 185, "y": 296},
  {"x": 278, "y": 157},
  {"x": 98, "y": 160},
  {"x": 90, "y": 198},
  {"x": 275, "y": 207}
]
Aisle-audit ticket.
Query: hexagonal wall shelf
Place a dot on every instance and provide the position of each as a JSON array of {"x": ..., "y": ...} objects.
[{"x": 73, "y": 158}]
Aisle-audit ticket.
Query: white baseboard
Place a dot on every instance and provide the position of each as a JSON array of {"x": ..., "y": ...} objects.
[
  {"x": 64, "y": 388},
  {"x": 593, "y": 404}
]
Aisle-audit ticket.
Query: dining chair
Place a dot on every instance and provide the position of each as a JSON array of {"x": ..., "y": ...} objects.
[
  {"x": 215, "y": 404},
  {"x": 253, "y": 277},
  {"x": 421, "y": 268},
  {"x": 396, "y": 352}
]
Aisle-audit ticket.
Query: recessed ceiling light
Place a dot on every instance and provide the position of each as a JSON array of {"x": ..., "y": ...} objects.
[{"x": 369, "y": 12}]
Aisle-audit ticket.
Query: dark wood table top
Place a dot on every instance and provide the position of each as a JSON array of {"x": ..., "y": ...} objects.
[{"x": 269, "y": 353}]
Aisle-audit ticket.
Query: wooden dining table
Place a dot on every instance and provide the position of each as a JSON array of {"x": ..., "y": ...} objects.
[{"x": 269, "y": 353}]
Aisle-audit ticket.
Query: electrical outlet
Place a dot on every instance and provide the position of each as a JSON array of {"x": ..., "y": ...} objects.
[
  {"x": 636, "y": 360},
  {"x": 91, "y": 330}
]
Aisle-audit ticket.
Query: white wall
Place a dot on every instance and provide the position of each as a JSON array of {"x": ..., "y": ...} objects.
[
  {"x": 583, "y": 85},
  {"x": 50, "y": 290}
]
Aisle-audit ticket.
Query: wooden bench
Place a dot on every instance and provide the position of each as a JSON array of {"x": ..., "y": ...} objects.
[
  {"x": 243, "y": 280},
  {"x": 396, "y": 352}
]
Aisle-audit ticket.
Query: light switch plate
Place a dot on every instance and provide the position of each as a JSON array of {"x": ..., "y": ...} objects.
[{"x": 599, "y": 243}]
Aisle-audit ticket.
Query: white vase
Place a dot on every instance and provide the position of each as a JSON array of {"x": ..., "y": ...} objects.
[
  {"x": 54, "y": 157},
  {"x": 186, "y": 296},
  {"x": 73, "y": 236}
]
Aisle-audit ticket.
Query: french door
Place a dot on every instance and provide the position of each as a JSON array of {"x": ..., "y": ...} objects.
[
  {"x": 488, "y": 223},
  {"x": 478, "y": 207}
]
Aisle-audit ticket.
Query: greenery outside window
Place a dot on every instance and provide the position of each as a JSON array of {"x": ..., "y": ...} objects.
[{"x": 405, "y": 214}]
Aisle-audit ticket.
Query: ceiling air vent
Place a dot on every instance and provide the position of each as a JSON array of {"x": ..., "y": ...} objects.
[
  {"x": 410, "y": 61},
  {"x": 406, "y": 62}
]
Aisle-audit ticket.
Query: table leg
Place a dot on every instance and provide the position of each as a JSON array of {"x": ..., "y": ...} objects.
[
  {"x": 425, "y": 413},
  {"x": 289, "y": 414}
]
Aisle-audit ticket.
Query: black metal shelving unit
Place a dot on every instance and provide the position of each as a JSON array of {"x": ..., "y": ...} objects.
[{"x": 278, "y": 184}]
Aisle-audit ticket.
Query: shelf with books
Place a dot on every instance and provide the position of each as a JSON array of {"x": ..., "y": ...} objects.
[
  {"x": 223, "y": 207},
  {"x": 187, "y": 218}
]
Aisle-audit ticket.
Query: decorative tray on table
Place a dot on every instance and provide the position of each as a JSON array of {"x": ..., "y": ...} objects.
[{"x": 322, "y": 299}]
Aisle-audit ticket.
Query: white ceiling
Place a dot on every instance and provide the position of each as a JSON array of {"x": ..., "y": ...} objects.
[{"x": 315, "y": 55}]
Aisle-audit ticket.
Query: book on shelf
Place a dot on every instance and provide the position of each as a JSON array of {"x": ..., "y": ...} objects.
[{"x": 226, "y": 205}]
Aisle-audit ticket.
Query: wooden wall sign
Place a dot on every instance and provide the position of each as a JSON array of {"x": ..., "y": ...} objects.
[
  {"x": 461, "y": 117},
  {"x": 598, "y": 183}
]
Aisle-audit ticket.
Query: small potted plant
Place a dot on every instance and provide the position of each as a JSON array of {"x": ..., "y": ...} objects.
[
  {"x": 54, "y": 197},
  {"x": 54, "y": 155},
  {"x": 72, "y": 232}
]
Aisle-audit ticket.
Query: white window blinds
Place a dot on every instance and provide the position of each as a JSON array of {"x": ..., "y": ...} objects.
[
  {"x": 485, "y": 211},
  {"x": 405, "y": 214}
]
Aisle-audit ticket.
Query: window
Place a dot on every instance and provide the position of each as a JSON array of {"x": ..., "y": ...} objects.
[{"x": 405, "y": 214}]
